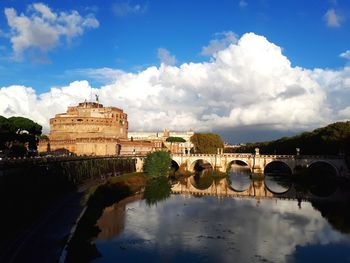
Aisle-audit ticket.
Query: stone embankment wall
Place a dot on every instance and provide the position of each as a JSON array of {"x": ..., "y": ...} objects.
[{"x": 27, "y": 186}]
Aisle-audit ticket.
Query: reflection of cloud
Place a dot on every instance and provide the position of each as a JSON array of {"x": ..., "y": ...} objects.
[{"x": 229, "y": 228}]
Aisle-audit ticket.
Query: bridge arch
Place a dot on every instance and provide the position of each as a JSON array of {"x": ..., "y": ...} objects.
[
  {"x": 276, "y": 166},
  {"x": 197, "y": 162},
  {"x": 175, "y": 165},
  {"x": 330, "y": 164}
]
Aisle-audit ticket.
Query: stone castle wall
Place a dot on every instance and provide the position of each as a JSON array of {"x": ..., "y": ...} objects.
[{"x": 87, "y": 129}]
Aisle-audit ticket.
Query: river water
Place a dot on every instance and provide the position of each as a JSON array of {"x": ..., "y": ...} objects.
[{"x": 233, "y": 219}]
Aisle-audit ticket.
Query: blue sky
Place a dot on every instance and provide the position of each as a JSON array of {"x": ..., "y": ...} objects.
[
  {"x": 114, "y": 38},
  {"x": 129, "y": 39}
]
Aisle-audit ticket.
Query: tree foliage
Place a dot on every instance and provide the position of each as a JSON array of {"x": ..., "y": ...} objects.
[
  {"x": 157, "y": 163},
  {"x": 12, "y": 137},
  {"x": 332, "y": 139},
  {"x": 25, "y": 124},
  {"x": 206, "y": 142},
  {"x": 175, "y": 139}
]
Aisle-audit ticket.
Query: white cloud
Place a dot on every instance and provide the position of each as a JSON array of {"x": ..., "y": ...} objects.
[
  {"x": 345, "y": 54},
  {"x": 247, "y": 83},
  {"x": 165, "y": 57},
  {"x": 222, "y": 41},
  {"x": 42, "y": 29},
  {"x": 125, "y": 8},
  {"x": 332, "y": 18},
  {"x": 243, "y": 3},
  {"x": 104, "y": 75}
]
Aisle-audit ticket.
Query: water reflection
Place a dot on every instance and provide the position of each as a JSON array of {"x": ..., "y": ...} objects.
[
  {"x": 183, "y": 228},
  {"x": 278, "y": 183},
  {"x": 156, "y": 190},
  {"x": 237, "y": 218},
  {"x": 239, "y": 177},
  {"x": 322, "y": 179},
  {"x": 202, "y": 179}
]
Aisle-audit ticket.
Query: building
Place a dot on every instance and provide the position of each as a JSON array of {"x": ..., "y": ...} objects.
[
  {"x": 87, "y": 129},
  {"x": 92, "y": 129},
  {"x": 159, "y": 139}
]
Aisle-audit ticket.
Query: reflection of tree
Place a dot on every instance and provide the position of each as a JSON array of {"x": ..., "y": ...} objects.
[
  {"x": 156, "y": 190},
  {"x": 203, "y": 180},
  {"x": 337, "y": 214},
  {"x": 321, "y": 179}
]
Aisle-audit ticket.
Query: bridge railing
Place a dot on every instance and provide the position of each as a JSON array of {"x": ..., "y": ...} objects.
[{"x": 273, "y": 156}]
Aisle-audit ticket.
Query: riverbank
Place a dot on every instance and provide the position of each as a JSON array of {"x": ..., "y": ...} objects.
[{"x": 98, "y": 198}]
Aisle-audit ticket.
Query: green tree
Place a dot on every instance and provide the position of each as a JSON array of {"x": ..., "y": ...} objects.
[
  {"x": 7, "y": 132},
  {"x": 12, "y": 135},
  {"x": 175, "y": 139},
  {"x": 332, "y": 139},
  {"x": 157, "y": 163},
  {"x": 206, "y": 142},
  {"x": 25, "y": 124}
]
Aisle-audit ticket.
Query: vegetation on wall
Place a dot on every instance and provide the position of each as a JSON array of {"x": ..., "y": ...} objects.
[
  {"x": 333, "y": 139},
  {"x": 206, "y": 142},
  {"x": 157, "y": 163}
]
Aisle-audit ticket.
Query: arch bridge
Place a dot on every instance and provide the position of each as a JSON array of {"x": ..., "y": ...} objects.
[{"x": 258, "y": 162}]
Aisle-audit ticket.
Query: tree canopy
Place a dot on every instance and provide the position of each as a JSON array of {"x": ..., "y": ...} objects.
[
  {"x": 175, "y": 139},
  {"x": 206, "y": 142},
  {"x": 25, "y": 124},
  {"x": 157, "y": 163},
  {"x": 332, "y": 139},
  {"x": 12, "y": 137}
]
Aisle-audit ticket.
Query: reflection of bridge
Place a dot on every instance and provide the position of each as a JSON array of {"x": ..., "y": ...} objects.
[
  {"x": 221, "y": 188},
  {"x": 258, "y": 162},
  {"x": 257, "y": 189}
]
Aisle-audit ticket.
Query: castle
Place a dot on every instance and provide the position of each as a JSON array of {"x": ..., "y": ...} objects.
[{"x": 92, "y": 129}]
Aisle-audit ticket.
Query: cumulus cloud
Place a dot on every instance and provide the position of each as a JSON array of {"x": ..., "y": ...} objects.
[
  {"x": 332, "y": 18},
  {"x": 345, "y": 54},
  {"x": 249, "y": 83},
  {"x": 222, "y": 40},
  {"x": 41, "y": 29},
  {"x": 165, "y": 57},
  {"x": 125, "y": 8}
]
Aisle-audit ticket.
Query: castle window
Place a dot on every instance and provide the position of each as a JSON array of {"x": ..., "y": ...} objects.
[{"x": 79, "y": 120}]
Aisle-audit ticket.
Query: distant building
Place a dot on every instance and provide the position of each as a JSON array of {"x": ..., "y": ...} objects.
[{"x": 159, "y": 139}]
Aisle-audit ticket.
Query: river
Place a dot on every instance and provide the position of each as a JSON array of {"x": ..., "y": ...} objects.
[{"x": 234, "y": 219}]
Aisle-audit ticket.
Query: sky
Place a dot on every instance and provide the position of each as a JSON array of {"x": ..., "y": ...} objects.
[{"x": 248, "y": 70}]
